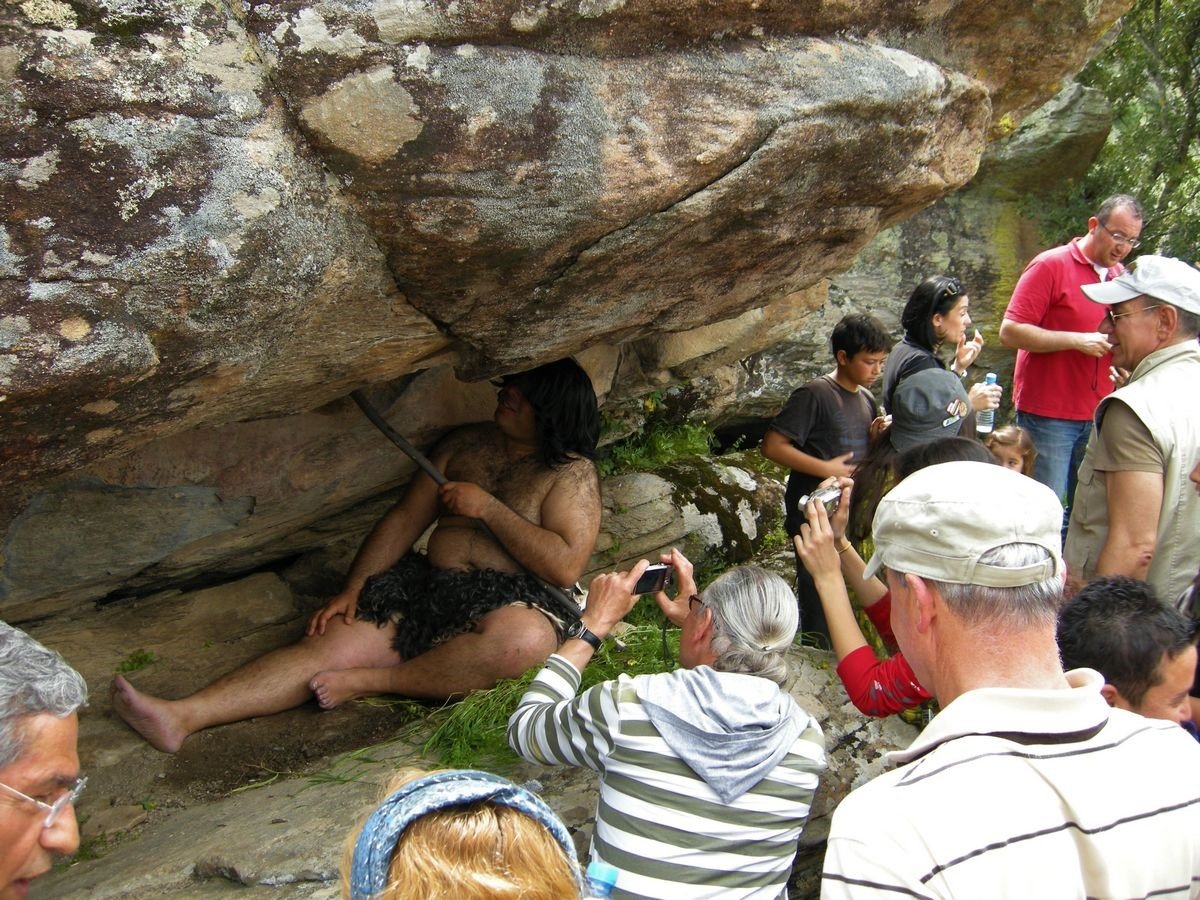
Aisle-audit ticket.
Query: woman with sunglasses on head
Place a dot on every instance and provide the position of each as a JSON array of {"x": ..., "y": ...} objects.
[{"x": 936, "y": 315}]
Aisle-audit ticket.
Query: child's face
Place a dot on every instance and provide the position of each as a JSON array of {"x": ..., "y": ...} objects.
[
  {"x": 864, "y": 367},
  {"x": 1009, "y": 456}
]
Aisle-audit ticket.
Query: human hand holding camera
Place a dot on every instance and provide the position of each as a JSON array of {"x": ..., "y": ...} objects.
[
  {"x": 676, "y": 608},
  {"x": 610, "y": 598}
]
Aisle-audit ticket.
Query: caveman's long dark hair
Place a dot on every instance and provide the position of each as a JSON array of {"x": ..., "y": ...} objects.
[{"x": 568, "y": 419}]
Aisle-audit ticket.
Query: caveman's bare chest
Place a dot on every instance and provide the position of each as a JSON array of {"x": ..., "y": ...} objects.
[{"x": 520, "y": 484}]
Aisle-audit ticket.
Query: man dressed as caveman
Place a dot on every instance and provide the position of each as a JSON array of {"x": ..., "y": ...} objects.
[{"x": 474, "y": 610}]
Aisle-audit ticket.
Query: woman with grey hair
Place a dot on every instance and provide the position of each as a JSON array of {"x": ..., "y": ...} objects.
[
  {"x": 707, "y": 773},
  {"x": 39, "y": 767}
]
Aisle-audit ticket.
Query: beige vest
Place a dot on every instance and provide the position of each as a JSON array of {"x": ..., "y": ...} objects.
[{"x": 1164, "y": 392}]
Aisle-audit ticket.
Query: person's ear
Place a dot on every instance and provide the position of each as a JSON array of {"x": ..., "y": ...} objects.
[
  {"x": 1092, "y": 223},
  {"x": 1110, "y": 694},
  {"x": 1168, "y": 321},
  {"x": 923, "y": 596},
  {"x": 697, "y": 635},
  {"x": 841, "y": 358}
]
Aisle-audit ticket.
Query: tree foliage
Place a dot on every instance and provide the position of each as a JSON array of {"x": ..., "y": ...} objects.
[{"x": 1151, "y": 76}]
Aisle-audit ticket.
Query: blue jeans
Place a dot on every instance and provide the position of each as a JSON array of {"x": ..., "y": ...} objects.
[{"x": 1060, "y": 444}]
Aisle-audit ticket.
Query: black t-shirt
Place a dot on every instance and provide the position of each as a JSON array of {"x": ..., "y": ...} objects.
[
  {"x": 824, "y": 420},
  {"x": 905, "y": 359}
]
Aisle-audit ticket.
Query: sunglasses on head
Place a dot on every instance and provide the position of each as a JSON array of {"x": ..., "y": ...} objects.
[{"x": 952, "y": 288}]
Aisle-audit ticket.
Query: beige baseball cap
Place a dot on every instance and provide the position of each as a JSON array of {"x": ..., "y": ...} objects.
[
  {"x": 1161, "y": 277},
  {"x": 939, "y": 521}
]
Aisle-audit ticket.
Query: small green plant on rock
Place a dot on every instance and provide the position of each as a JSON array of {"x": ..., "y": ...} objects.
[
  {"x": 136, "y": 660},
  {"x": 656, "y": 446}
]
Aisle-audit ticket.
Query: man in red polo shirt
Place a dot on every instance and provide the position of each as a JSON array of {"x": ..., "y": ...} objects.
[{"x": 1063, "y": 360}]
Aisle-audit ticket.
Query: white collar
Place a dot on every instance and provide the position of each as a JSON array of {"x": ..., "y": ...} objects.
[{"x": 1055, "y": 715}]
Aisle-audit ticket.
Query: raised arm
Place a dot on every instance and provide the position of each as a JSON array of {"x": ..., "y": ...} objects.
[
  {"x": 551, "y": 724},
  {"x": 868, "y": 591},
  {"x": 876, "y": 687},
  {"x": 815, "y": 547}
]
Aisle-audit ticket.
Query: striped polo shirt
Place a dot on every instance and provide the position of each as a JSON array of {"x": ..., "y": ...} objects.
[
  {"x": 1026, "y": 794},
  {"x": 657, "y": 821}
]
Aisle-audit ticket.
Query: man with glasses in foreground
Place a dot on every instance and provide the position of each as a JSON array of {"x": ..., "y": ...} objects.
[
  {"x": 1062, "y": 358},
  {"x": 39, "y": 766},
  {"x": 1027, "y": 783},
  {"x": 1136, "y": 513}
]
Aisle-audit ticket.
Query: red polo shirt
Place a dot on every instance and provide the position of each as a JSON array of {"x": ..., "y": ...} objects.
[{"x": 1065, "y": 384}]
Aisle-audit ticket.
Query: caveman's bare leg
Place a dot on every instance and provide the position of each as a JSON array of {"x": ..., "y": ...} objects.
[
  {"x": 505, "y": 643},
  {"x": 269, "y": 684}
]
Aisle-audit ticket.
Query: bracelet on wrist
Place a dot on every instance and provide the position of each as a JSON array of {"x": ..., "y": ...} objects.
[{"x": 842, "y": 549}]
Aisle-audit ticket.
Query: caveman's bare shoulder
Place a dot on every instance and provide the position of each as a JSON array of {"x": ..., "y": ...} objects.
[
  {"x": 468, "y": 438},
  {"x": 579, "y": 474}
]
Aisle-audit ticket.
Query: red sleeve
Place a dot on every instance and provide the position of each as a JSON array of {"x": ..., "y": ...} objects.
[
  {"x": 1031, "y": 297},
  {"x": 880, "y": 687},
  {"x": 880, "y": 614}
]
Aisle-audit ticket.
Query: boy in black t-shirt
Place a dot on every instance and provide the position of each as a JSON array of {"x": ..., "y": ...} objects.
[{"x": 824, "y": 430}]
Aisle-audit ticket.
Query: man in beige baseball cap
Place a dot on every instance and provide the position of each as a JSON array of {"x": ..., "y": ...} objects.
[
  {"x": 1026, "y": 784},
  {"x": 1135, "y": 512}
]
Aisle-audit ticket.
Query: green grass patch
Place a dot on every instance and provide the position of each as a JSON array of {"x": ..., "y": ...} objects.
[
  {"x": 774, "y": 539},
  {"x": 136, "y": 660},
  {"x": 654, "y": 447},
  {"x": 471, "y": 733}
]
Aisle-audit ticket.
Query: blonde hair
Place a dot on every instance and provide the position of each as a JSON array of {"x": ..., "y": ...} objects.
[
  {"x": 1015, "y": 436},
  {"x": 472, "y": 851}
]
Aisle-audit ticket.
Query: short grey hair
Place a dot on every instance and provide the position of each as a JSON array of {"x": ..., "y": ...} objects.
[
  {"x": 33, "y": 680},
  {"x": 755, "y": 619},
  {"x": 1030, "y": 605},
  {"x": 1187, "y": 324}
]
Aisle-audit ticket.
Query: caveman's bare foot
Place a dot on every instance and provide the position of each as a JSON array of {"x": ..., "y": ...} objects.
[
  {"x": 338, "y": 686},
  {"x": 148, "y": 716}
]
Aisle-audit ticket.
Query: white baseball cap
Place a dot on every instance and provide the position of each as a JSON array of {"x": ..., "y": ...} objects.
[
  {"x": 939, "y": 521},
  {"x": 1161, "y": 277}
]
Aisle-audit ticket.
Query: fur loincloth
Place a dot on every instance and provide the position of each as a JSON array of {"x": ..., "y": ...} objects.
[{"x": 428, "y": 605}]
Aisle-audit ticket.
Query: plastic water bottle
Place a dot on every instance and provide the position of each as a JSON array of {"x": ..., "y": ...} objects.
[
  {"x": 600, "y": 880},
  {"x": 986, "y": 420}
]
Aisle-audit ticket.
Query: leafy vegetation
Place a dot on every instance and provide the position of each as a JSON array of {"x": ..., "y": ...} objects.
[
  {"x": 1151, "y": 77},
  {"x": 136, "y": 660},
  {"x": 472, "y": 731},
  {"x": 775, "y": 538},
  {"x": 655, "y": 446}
]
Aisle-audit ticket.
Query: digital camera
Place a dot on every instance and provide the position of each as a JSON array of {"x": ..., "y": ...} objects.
[
  {"x": 829, "y": 497},
  {"x": 654, "y": 579}
]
